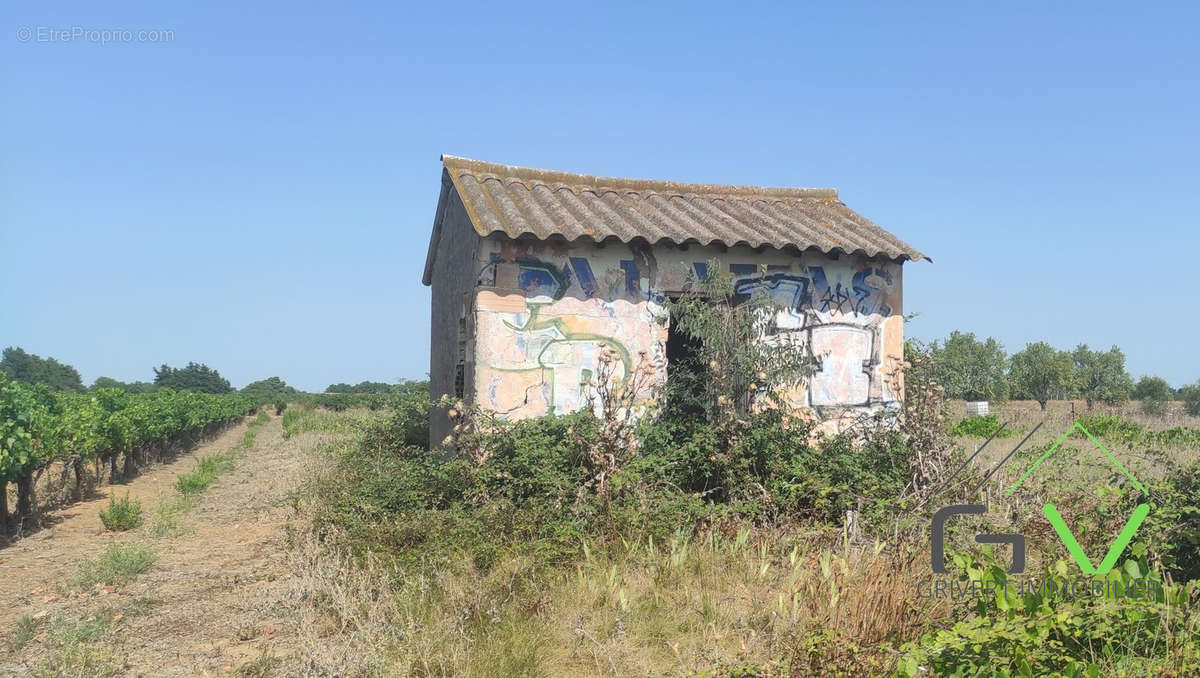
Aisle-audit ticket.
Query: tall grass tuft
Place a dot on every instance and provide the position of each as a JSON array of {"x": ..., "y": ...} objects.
[
  {"x": 121, "y": 514},
  {"x": 118, "y": 564},
  {"x": 206, "y": 471}
]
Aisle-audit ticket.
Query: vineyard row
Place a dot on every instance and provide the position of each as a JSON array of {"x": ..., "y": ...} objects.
[{"x": 39, "y": 427}]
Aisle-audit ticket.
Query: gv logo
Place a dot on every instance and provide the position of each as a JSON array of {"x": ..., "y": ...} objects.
[{"x": 937, "y": 538}]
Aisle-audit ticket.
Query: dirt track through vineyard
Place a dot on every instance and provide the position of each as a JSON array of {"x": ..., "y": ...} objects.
[{"x": 216, "y": 596}]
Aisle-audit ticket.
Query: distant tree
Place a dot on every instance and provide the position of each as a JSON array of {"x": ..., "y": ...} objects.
[
  {"x": 1040, "y": 372},
  {"x": 1101, "y": 376},
  {"x": 376, "y": 387},
  {"x": 128, "y": 386},
  {"x": 1190, "y": 395},
  {"x": 270, "y": 389},
  {"x": 1151, "y": 386},
  {"x": 195, "y": 377},
  {"x": 32, "y": 369},
  {"x": 106, "y": 382},
  {"x": 970, "y": 369},
  {"x": 412, "y": 387},
  {"x": 1154, "y": 392}
]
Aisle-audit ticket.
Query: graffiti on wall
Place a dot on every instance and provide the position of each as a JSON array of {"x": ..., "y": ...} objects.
[
  {"x": 811, "y": 290},
  {"x": 538, "y": 358},
  {"x": 539, "y": 334},
  {"x": 841, "y": 316}
]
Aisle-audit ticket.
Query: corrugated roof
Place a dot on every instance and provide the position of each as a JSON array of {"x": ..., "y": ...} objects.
[{"x": 521, "y": 201}]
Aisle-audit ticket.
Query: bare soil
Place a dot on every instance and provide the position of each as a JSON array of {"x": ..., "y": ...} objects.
[{"x": 216, "y": 597}]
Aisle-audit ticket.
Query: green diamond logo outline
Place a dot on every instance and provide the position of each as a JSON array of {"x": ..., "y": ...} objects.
[{"x": 1060, "y": 525}]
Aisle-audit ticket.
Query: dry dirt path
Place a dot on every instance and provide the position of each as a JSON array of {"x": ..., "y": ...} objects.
[{"x": 214, "y": 602}]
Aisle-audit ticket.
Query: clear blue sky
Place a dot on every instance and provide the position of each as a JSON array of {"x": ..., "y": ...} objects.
[{"x": 257, "y": 193}]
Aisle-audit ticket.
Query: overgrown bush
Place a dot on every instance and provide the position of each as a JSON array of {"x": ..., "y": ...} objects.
[
  {"x": 526, "y": 486},
  {"x": 1111, "y": 426},
  {"x": 1119, "y": 428},
  {"x": 741, "y": 360},
  {"x": 923, "y": 418},
  {"x": 775, "y": 468},
  {"x": 121, "y": 514},
  {"x": 409, "y": 420},
  {"x": 1172, "y": 528},
  {"x": 721, "y": 446},
  {"x": 1182, "y": 436},
  {"x": 980, "y": 426},
  {"x": 1046, "y": 634}
]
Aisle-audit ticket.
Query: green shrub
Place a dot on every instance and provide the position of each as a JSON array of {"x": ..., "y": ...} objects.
[
  {"x": 407, "y": 424},
  {"x": 291, "y": 421},
  {"x": 121, "y": 514},
  {"x": 1111, "y": 426},
  {"x": 1172, "y": 529},
  {"x": 192, "y": 483},
  {"x": 1181, "y": 436},
  {"x": 771, "y": 469},
  {"x": 1155, "y": 405},
  {"x": 529, "y": 486},
  {"x": 980, "y": 426},
  {"x": 869, "y": 469},
  {"x": 1030, "y": 634}
]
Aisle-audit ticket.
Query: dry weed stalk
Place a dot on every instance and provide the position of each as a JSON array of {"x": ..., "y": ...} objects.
[
  {"x": 923, "y": 422},
  {"x": 618, "y": 400}
]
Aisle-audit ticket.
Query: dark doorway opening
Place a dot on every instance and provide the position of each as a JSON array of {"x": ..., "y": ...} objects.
[
  {"x": 685, "y": 371},
  {"x": 681, "y": 347}
]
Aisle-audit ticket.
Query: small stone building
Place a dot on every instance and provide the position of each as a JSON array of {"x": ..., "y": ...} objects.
[{"x": 535, "y": 272}]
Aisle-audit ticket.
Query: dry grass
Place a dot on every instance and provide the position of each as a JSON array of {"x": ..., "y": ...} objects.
[
  {"x": 1060, "y": 414},
  {"x": 1078, "y": 462},
  {"x": 760, "y": 597},
  {"x": 629, "y": 609}
]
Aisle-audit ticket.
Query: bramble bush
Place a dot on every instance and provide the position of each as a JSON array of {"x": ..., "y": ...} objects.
[
  {"x": 719, "y": 446},
  {"x": 1172, "y": 529},
  {"x": 528, "y": 487},
  {"x": 1041, "y": 633}
]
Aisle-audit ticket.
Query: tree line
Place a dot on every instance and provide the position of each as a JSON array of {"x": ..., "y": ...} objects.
[
  {"x": 27, "y": 368},
  {"x": 402, "y": 387},
  {"x": 973, "y": 369},
  {"x": 23, "y": 367}
]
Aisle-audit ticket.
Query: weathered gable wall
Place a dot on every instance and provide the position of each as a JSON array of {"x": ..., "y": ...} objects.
[
  {"x": 544, "y": 311},
  {"x": 451, "y": 324}
]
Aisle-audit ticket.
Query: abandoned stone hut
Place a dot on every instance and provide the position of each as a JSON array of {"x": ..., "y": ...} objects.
[{"x": 535, "y": 272}]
